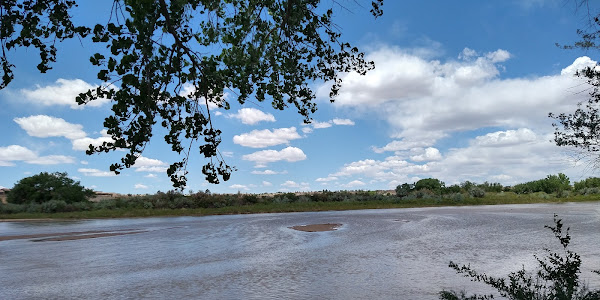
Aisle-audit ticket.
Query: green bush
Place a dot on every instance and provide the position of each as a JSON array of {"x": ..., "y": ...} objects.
[
  {"x": 557, "y": 277},
  {"x": 11, "y": 208},
  {"x": 592, "y": 182},
  {"x": 476, "y": 192},
  {"x": 54, "y": 206}
]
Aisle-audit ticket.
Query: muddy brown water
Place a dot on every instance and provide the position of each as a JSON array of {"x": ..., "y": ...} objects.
[{"x": 374, "y": 254}]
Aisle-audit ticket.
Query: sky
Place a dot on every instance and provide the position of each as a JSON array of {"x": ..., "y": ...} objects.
[{"x": 460, "y": 91}]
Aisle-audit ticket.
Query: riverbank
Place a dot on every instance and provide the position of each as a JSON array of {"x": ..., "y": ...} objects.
[{"x": 489, "y": 199}]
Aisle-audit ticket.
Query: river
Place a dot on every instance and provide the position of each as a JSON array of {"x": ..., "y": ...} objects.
[{"x": 375, "y": 254}]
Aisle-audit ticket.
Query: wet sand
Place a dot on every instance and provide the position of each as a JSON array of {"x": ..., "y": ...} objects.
[
  {"x": 317, "y": 227},
  {"x": 69, "y": 236}
]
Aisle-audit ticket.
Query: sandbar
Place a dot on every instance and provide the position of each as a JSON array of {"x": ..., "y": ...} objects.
[{"x": 317, "y": 227}]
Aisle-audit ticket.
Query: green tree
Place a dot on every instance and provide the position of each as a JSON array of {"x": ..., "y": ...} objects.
[
  {"x": 45, "y": 187},
  {"x": 431, "y": 184},
  {"x": 169, "y": 61},
  {"x": 404, "y": 190},
  {"x": 581, "y": 128}
]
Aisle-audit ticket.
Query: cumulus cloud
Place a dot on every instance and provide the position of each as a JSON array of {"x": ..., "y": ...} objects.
[
  {"x": 289, "y": 154},
  {"x": 238, "y": 187},
  {"x": 139, "y": 186},
  {"x": 12, "y": 153},
  {"x": 346, "y": 122},
  {"x": 83, "y": 144},
  {"x": 266, "y": 183},
  {"x": 265, "y": 138},
  {"x": 150, "y": 165},
  {"x": 95, "y": 172},
  {"x": 320, "y": 125},
  {"x": 151, "y": 176},
  {"x": 267, "y": 172},
  {"x": 52, "y": 160},
  {"x": 326, "y": 179},
  {"x": 290, "y": 184},
  {"x": 430, "y": 154},
  {"x": 45, "y": 126},
  {"x": 506, "y": 156},
  {"x": 251, "y": 116},
  {"x": 424, "y": 100},
  {"x": 354, "y": 184},
  {"x": 327, "y": 124},
  {"x": 62, "y": 92}
]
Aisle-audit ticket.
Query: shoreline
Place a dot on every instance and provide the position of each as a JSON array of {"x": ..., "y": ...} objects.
[{"x": 263, "y": 208}]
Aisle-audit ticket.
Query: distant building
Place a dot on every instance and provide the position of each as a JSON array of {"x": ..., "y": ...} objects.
[{"x": 3, "y": 193}]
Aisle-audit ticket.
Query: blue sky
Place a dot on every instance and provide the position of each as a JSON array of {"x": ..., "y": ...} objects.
[{"x": 460, "y": 92}]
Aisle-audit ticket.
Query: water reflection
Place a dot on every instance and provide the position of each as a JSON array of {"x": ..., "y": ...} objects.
[{"x": 376, "y": 254}]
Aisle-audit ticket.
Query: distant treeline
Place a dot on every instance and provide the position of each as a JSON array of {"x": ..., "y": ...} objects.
[
  {"x": 552, "y": 184},
  {"x": 429, "y": 189}
]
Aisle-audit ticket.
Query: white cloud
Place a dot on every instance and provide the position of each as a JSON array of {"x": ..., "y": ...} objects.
[
  {"x": 150, "y": 165},
  {"x": 83, "y": 144},
  {"x": 320, "y": 125},
  {"x": 307, "y": 130},
  {"x": 430, "y": 154},
  {"x": 83, "y": 162},
  {"x": 139, "y": 186},
  {"x": 522, "y": 153},
  {"x": 95, "y": 172},
  {"x": 52, "y": 160},
  {"x": 267, "y": 172},
  {"x": 579, "y": 64},
  {"x": 289, "y": 154},
  {"x": 238, "y": 187},
  {"x": 13, "y": 153},
  {"x": 251, "y": 116},
  {"x": 151, "y": 176},
  {"x": 63, "y": 92},
  {"x": 354, "y": 184},
  {"x": 45, "y": 126},
  {"x": 424, "y": 100},
  {"x": 266, "y": 183},
  {"x": 290, "y": 184},
  {"x": 402, "y": 145},
  {"x": 266, "y": 137},
  {"x": 506, "y": 138},
  {"x": 326, "y": 179},
  {"x": 346, "y": 122}
]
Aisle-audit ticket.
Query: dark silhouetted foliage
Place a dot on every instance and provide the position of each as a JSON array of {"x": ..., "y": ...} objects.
[{"x": 557, "y": 277}]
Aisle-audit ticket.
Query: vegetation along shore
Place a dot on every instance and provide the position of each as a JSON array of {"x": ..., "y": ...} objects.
[{"x": 55, "y": 196}]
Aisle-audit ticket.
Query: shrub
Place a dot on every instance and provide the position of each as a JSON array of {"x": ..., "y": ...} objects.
[
  {"x": 54, "y": 206},
  {"x": 557, "y": 276},
  {"x": 11, "y": 208},
  {"x": 476, "y": 192},
  {"x": 457, "y": 197},
  {"x": 404, "y": 190}
]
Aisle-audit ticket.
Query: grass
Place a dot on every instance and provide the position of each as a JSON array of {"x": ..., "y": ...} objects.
[{"x": 489, "y": 199}]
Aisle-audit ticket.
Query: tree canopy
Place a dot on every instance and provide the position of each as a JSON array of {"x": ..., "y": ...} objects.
[
  {"x": 171, "y": 61},
  {"x": 45, "y": 186},
  {"x": 581, "y": 129}
]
